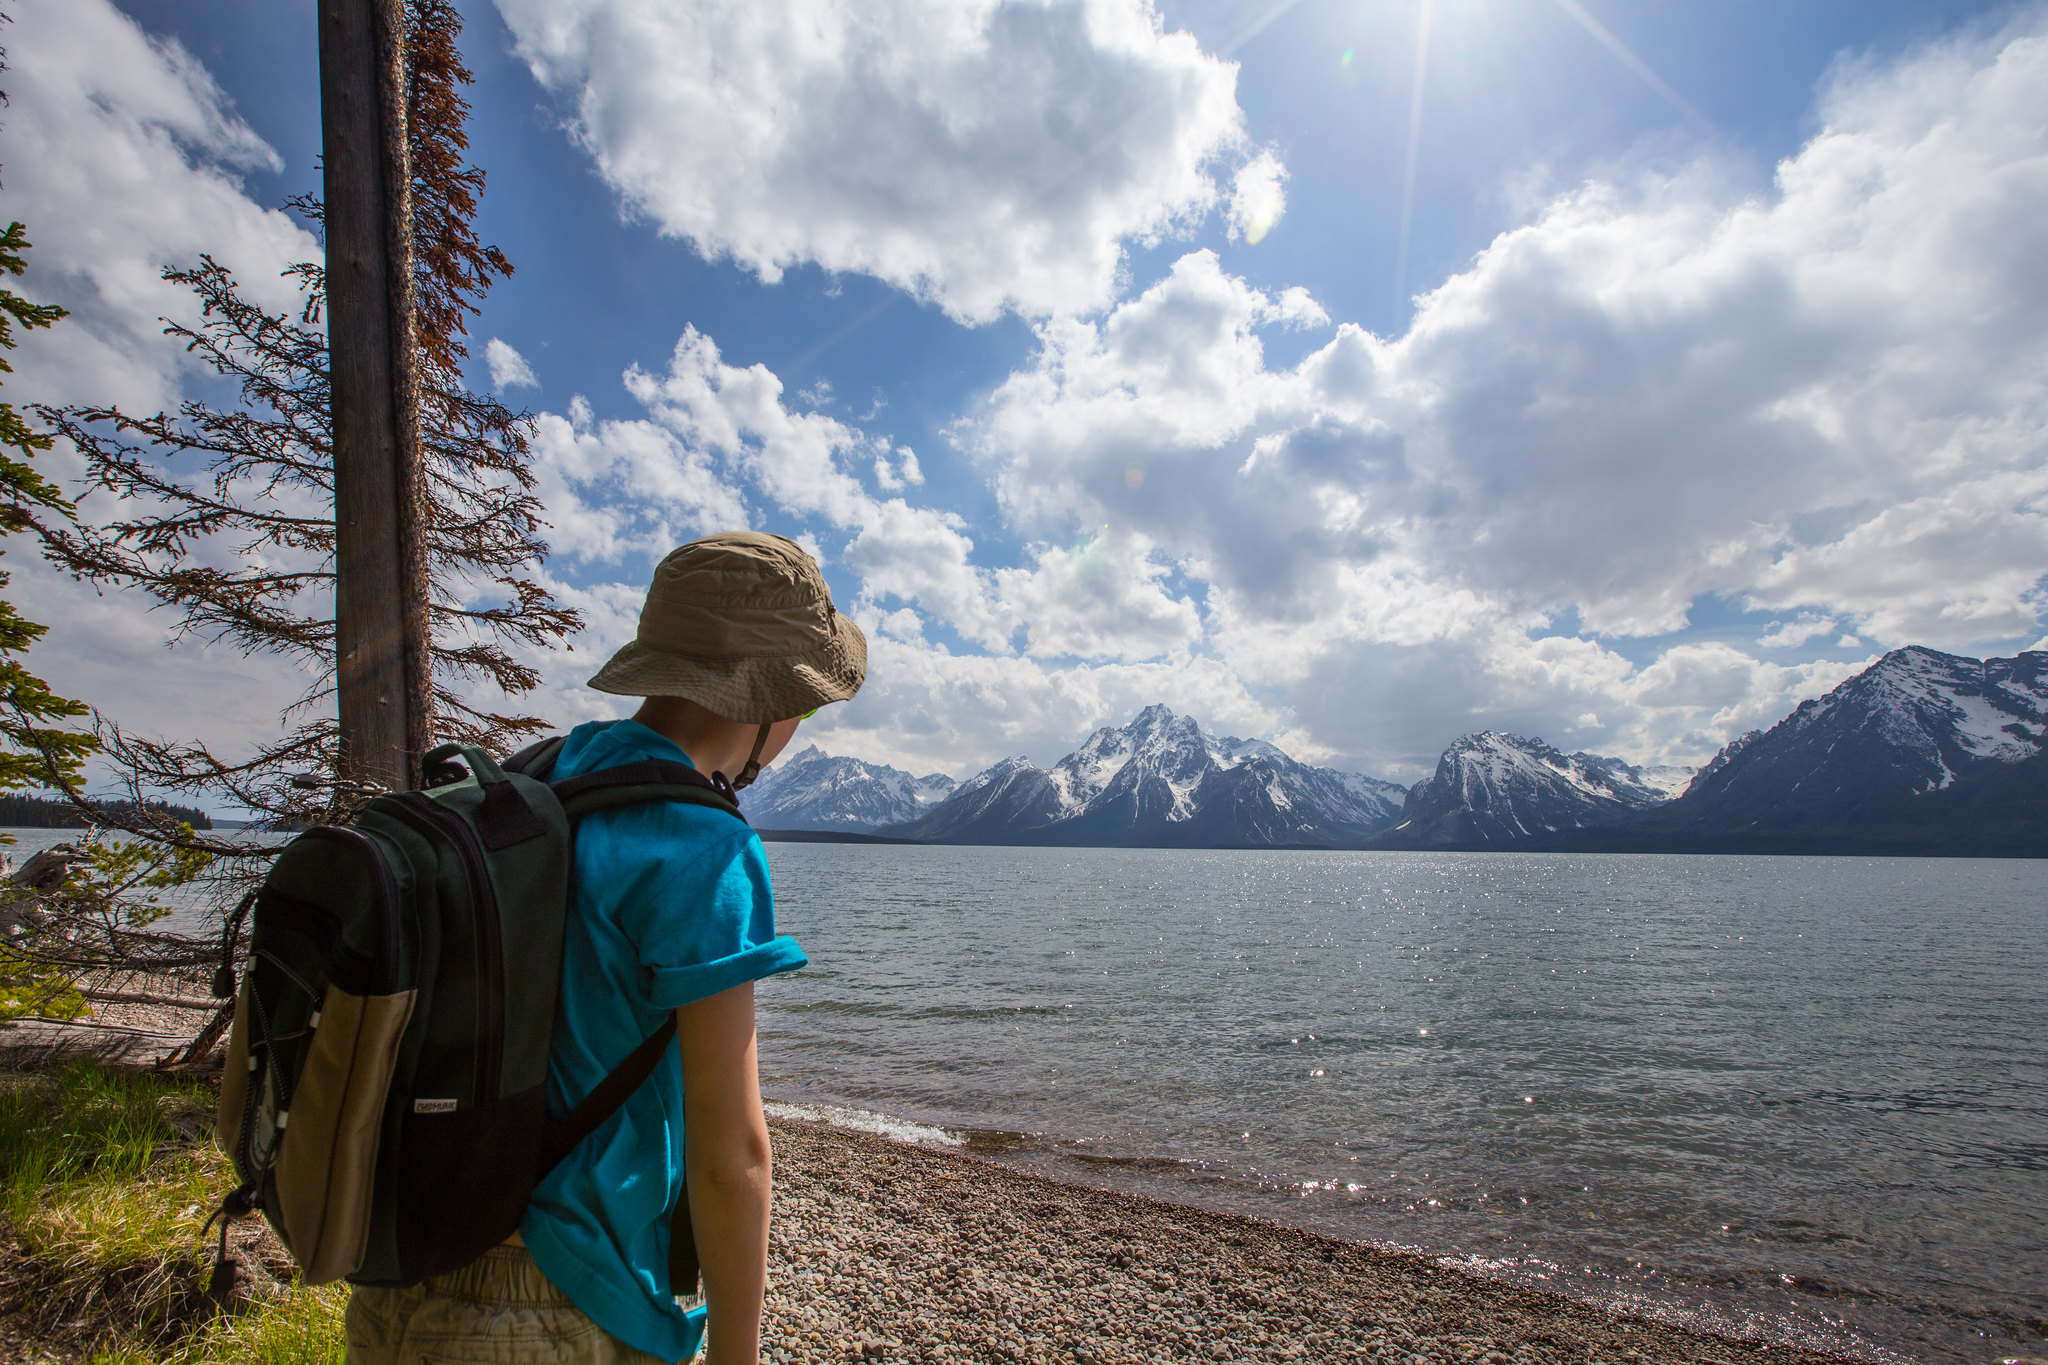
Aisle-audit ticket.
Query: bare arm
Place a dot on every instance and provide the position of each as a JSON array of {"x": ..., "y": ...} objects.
[{"x": 726, "y": 1163}]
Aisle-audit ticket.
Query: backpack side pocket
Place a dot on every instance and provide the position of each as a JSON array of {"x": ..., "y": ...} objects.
[
  {"x": 327, "y": 1156},
  {"x": 234, "y": 1079}
]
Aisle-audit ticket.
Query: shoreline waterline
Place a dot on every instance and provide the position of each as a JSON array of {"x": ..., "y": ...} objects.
[
  {"x": 1182, "y": 1191},
  {"x": 883, "y": 1249}
]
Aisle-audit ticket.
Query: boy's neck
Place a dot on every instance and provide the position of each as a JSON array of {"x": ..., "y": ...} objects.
[{"x": 714, "y": 744}]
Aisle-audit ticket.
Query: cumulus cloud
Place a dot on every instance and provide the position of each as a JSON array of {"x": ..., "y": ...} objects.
[
  {"x": 509, "y": 369},
  {"x": 1829, "y": 398},
  {"x": 982, "y": 155},
  {"x": 1258, "y": 196},
  {"x": 926, "y": 708},
  {"x": 1104, "y": 597},
  {"x": 1792, "y": 634},
  {"x": 719, "y": 448},
  {"x": 906, "y": 472},
  {"x": 1104, "y": 630},
  {"x": 617, "y": 490},
  {"x": 123, "y": 157}
]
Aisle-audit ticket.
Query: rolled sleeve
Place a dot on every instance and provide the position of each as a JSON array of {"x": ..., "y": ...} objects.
[
  {"x": 710, "y": 925},
  {"x": 674, "y": 987}
]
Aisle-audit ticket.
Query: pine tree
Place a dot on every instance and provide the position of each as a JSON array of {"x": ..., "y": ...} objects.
[
  {"x": 29, "y": 744},
  {"x": 235, "y": 532},
  {"x": 33, "y": 751},
  {"x": 227, "y": 522}
]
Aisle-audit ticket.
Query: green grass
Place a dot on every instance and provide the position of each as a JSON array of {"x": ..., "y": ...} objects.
[
  {"x": 302, "y": 1329},
  {"x": 107, "y": 1180}
]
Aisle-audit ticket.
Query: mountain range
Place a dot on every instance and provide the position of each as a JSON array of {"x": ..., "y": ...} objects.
[
  {"x": 1491, "y": 788},
  {"x": 815, "y": 790},
  {"x": 1162, "y": 781},
  {"x": 1922, "y": 752}
]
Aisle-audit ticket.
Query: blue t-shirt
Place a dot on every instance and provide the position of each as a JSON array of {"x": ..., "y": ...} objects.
[{"x": 672, "y": 906}]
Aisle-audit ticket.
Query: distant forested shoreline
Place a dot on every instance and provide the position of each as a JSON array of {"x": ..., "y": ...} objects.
[{"x": 37, "y": 812}]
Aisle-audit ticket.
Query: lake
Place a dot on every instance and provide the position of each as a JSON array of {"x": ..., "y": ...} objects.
[
  {"x": 193, "y": 909},
  {"x": 1805, "y": 1098},
  {"x": 1802, "y": 1098}
]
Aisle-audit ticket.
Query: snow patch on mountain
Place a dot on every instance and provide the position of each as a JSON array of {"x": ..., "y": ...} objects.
[
  {"x": 995, "y": 771},
  {"x": 1163, "y": 779},
  {"x": 1922, "y": 752},
  {"x": 817, "y": 790},
  {"x": 1494, "y": 787},
  {"x": 1926, "y": 702}
]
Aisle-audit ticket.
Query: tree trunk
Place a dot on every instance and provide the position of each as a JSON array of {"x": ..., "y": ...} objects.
[{"x": 380, "y": 564}]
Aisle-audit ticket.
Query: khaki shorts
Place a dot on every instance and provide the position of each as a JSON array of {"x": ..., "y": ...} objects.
[{"x": 497, "y": 1310}]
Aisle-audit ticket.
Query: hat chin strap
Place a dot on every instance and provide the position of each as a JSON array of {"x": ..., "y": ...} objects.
[{"x": 752, "y": 769}]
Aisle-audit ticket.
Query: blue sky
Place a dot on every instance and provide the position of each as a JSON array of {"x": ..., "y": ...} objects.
[{"x": 1647, "y": 369}]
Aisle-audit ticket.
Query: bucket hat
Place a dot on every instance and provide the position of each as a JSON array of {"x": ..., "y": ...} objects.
[{"x": 741, "y": 623}]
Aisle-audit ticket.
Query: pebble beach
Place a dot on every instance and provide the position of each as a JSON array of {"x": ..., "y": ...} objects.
[{"x": 885, "y": 1251}]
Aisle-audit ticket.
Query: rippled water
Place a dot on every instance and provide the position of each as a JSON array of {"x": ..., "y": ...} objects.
[{"x": 1800, "y": 1097}]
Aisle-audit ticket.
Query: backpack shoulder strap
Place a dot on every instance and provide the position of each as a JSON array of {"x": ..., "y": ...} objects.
[
  {"x": 562, "y": 1137},
  {"x": 536, "y": 759},
  {"x": 635, "y": 784}
]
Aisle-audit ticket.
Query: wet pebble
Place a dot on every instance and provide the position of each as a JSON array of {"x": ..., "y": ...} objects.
[{"x": 884, "y": 1252}]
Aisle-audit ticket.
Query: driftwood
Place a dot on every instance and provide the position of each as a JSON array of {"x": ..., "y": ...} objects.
[
  {"x": 203, "y": 1043},
  {"x": 47, "y": 868},
  {"x": 176, "y": 1002}
]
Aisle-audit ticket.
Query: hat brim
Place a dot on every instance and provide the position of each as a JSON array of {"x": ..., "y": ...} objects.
[{"x": 752, "y": 690}]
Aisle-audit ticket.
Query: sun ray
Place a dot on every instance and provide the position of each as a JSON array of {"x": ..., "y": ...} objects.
[
  {"x": 1634, "y": 63},
  {"x": 1414, "y": 149},
  {"x": 1255, "y": 27}
]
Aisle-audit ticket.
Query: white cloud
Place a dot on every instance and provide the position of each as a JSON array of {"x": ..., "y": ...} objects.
[
  {"x": 717, "y": 443},
  {"x": 509, "y": 369},
  {"x": 1828, "y": 399},
  {"x": 904, "y": 473},
  {"x": 623, "y": 489},
  {"x": 1258, "y": 196},
  {"x": 1792, "y": 634},
  {"x": 925, "y": 708},
  {"x": 611, "y": 617},
  {"x": 1104, "y": 597},
  {"x": 982, "y": 155},
  {"x": 124, "y": 157}
]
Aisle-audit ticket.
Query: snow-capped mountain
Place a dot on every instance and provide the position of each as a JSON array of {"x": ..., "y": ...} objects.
[
  {"x": 1920, "y": 751},
  {"x": 1914, "y": 721},
  {"x": 1923, "y": 752},
  {"x": 1495, "y": 788},
  {"x": 816, "y": 790},
  {"x": 1162, "y": 781}
]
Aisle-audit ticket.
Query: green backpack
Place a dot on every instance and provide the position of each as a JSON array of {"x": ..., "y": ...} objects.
[{"x": 384, "y": 1100}]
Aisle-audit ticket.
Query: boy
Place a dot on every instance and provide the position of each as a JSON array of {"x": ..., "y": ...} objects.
[{"x": 738, "y": 644}]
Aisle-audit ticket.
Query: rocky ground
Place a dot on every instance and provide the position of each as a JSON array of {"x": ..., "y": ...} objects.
[{"x": 888, "y": 1252}]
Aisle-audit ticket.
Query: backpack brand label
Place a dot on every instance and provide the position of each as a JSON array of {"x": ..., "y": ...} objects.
[{"x": 425, "y": 1106}]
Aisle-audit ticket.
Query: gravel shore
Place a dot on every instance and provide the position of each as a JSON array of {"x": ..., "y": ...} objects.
[{"x": 885, "y": 1251}]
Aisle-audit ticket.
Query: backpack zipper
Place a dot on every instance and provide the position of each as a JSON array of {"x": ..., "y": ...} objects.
[{"x": 422, "y": 810}]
